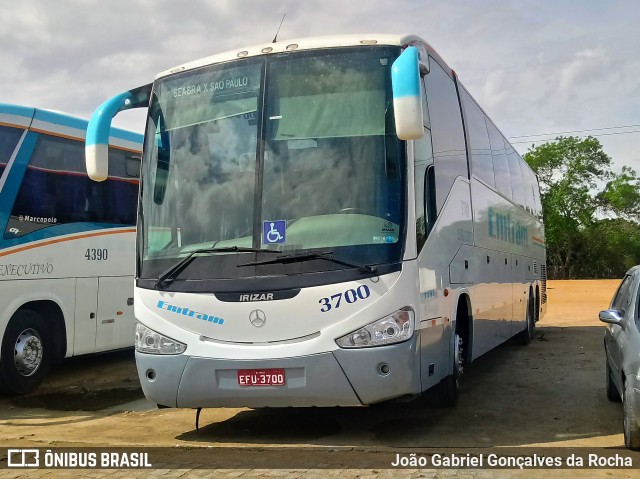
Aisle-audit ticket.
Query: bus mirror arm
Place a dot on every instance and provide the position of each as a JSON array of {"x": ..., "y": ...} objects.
[
  {"x": 99, "y": 128},
  {"x": 424, "y": 67}
]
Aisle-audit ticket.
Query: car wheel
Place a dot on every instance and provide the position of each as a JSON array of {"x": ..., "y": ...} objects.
[
  {"x": 630, "y": 420},
  {"x": 612, "y": 391},
  {"x": 26, "y": 352}
]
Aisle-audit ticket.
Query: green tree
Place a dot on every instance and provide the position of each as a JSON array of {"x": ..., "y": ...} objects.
[
  {"x": 622, "y": 195},
  {"x": 578, "y": 189},
  {"x": 611, "y": 247}
]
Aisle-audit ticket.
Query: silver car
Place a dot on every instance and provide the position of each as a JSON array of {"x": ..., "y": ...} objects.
[{"x": 622, "y": 349}]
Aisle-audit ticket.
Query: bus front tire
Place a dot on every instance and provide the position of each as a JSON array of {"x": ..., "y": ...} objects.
[
  {"x": 446, "y": 392},
  {"x": 26, "y": 353}
]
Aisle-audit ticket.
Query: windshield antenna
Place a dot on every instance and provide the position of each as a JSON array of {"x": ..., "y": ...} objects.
[{"x": 276, "y": 37}]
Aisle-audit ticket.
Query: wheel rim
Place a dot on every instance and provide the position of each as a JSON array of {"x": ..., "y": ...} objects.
[{"x": 28, "y": 352}]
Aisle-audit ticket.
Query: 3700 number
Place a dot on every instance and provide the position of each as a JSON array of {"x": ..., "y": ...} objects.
[
  {"x": 350, "y": 296},
  {"x": 96, "y": 254}
]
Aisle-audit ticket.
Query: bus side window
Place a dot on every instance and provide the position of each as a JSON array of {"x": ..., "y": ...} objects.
[
  {"x": 430, "y": 195},
  {"x": 517, "y": 182},
  {"x": 449, "y": 149},
  {"x": 536, "y": 197},
  {"x": 501, "y": 170},
  {"x": 479, "y": 146},
  {"x": 529, "y": 178},
  {"x": 423, "y": 161}
]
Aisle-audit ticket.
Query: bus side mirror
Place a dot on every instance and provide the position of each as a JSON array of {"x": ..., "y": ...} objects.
[
  {"x": 407, "y": 99},
  {"x": 97, "y": 142}
]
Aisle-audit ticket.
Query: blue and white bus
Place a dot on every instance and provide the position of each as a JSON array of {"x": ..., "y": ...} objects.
[
  {"x": 67, "y": 244},
  {"x": 326, "y": 221}
]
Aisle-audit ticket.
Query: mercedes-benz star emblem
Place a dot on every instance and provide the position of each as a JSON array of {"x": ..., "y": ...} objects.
[{"x": 257, "y": 318}]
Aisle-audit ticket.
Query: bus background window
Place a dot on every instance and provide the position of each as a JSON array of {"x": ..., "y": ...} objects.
[
  {"x": 56, "y": 190},
  {"x": 500, "y": 162},
  {"x": 9, "y": 138},
  {"x": 449, "y": 150},
  {"x": 480, "y": 148}
]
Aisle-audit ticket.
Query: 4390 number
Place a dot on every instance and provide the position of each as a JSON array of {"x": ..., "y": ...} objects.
[{"x": 96, "y": 254}]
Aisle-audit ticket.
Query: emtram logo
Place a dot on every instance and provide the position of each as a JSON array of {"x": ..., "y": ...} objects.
[
  {"x": 505, "y": 228},
  {"x": 189, "y": 312}
]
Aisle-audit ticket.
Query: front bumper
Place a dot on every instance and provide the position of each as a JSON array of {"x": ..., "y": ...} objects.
[{"x": 344, "y": 377}]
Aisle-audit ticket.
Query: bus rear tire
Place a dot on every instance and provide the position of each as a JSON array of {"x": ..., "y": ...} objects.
[
  {"x": 26, "y": 353},
  {"x": 527, "y": 334}
]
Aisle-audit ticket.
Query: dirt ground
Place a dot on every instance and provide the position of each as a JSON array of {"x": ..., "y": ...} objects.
[{"x": 548, "y": 394}]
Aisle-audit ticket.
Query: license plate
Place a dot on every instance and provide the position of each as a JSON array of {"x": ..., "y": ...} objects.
[{"x": 261, "y": 377}]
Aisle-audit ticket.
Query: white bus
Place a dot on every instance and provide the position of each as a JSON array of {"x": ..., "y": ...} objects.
[
  {"x": 327, "y": 221},
  {"x": 67, "y": 245}
]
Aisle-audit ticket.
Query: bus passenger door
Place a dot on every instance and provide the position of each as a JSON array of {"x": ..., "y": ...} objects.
[
  {"x": 84, "y": 340},
  {"x": 115, "y": 327}
]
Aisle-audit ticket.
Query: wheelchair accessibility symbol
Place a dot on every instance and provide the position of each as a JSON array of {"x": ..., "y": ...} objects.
[{"x": 274, "y": 232}]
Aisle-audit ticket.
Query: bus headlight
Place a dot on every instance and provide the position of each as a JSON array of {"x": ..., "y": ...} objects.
[
  {"x": 395, "y": 328},
  {"x": 148, "y": 341}
]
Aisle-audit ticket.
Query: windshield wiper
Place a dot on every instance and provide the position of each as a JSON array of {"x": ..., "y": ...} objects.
[
  {"x": 167, "y": 276},
  {"x": 328, "y": 256}
]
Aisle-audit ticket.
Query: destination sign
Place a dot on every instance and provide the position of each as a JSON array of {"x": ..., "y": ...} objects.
[{"x": 210, "y": 88}]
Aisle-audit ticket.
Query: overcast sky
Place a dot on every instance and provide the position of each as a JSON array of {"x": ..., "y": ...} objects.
[{"x": 539, "y": 66}]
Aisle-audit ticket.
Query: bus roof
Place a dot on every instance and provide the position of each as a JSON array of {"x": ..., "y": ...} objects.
[
  {"x": 310, "y": 43},
  {"x": 51, "y": 120}
]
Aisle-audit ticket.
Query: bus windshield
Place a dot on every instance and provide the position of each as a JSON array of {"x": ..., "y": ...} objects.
[{"x": 293, "y": 152}]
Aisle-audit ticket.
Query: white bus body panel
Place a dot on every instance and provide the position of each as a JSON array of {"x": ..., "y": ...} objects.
[{"x": 33, "y": 271}]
